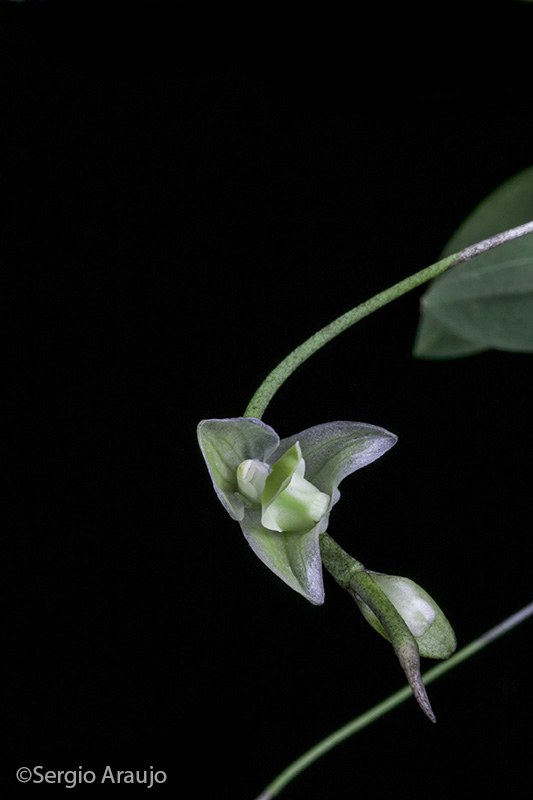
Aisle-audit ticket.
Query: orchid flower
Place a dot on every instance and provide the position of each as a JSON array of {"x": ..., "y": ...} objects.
[{"x": 281, "y": 491}]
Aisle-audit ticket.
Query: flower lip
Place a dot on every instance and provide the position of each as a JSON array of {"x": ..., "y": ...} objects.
[{"x": 290, "y": 502}]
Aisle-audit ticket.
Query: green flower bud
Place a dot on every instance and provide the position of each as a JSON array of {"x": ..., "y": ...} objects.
[{"x": 432, "y": 631}]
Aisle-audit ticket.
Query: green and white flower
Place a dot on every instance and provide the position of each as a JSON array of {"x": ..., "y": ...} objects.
[{"x": 281, "y": 491}]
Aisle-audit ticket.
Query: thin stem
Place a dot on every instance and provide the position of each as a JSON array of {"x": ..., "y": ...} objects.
[
  {"x": 338, "y": 736},
  {"x": 264, "y": 394}
]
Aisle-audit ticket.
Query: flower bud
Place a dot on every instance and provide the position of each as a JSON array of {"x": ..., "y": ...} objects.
[{"x": 421, "y": 614}]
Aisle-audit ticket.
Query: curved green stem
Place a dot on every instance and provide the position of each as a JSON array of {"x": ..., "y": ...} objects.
[
  {"x": 338, "y": 736},
  {"x": 264, "y": 394}
]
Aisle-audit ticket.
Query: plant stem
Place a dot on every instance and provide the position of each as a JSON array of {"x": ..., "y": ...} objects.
[
  {"x": 266, "y": 391},
  {"x": 338, "y": 736}
]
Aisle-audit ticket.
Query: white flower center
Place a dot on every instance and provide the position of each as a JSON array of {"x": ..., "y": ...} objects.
[
  {"x": 251, "y": 478},
  {"x": 288, "y": 501}
]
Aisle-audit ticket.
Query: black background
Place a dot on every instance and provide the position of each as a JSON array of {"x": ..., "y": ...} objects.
[{"x": 178, "y": 225}]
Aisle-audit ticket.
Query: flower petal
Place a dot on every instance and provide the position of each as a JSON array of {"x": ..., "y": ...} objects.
[
  {"x": 336, "y": 449},
  {"x": 226, "y": 443},
  {"x": 292, "y": 556}
]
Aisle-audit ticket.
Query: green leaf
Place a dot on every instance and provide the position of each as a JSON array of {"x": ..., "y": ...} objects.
[{"x": 485, "y": 303}]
